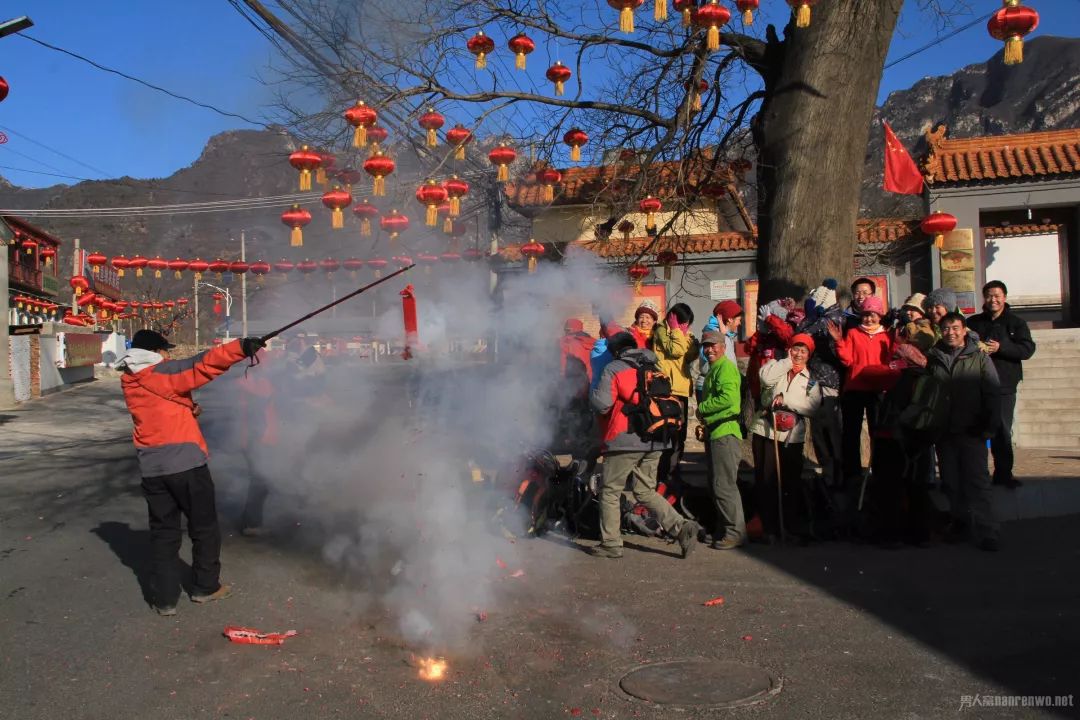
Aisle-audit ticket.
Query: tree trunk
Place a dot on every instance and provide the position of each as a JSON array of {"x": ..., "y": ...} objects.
[{"x": 811, "y": 135}]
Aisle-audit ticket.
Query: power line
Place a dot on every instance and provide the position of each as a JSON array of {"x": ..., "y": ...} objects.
[
  {"x": 54, "y": 150},
  {"x": 150, "y": 85},
  {"x": 940, "y": 40}
]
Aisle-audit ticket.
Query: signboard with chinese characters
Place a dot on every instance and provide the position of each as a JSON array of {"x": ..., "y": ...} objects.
[
  {"x": 749, "y": 300},
  {"x": 105, "y": 281},
  {"x": 958, "y": 267},
  {"x": 78, "y": 350},
  {"x": 724, "y": 289}
]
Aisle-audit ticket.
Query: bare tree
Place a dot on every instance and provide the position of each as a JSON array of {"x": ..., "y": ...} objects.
[{"x": 798, "y": 107}]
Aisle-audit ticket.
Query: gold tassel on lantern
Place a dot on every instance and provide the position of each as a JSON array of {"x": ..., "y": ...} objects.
[
  {"x": 359, "y": 138},
  {"x": 650, "y": 221},
  {"x": 802, "y": 16},
  {"x": 448, "y": 225},
  {"x": 748, "y": 17},
  {"x": 365, "y": 227},
  {"x": 626, "y": 19},
  {"x": 660, "y": 10},
  {"x": 455, "y": 206},
  {"x": 379, "y": 187},
  {"x": 459, "y": 152},
  {"x": 575, "y": 153},
  {"x": 432, "y": 138},
  {"x": 939, "y": 241},
  {"x": 686, "y": 17},
  {"x": 695, "y": 105},
  {"x": 712, "y": 39},
  {"x": 432, "y": 217},
  {"x": 532, "y": 263},
  {"x": 519, "y": 61},
  {"x": 1014, "y": 50},
  {"x": 157, "y": 273},
  {"x": 305, "y": 180},
  {"x": 560, "y": 86},
  {"x": 503, "y": 174},
  {"x": 320, "y": 176},
  {"x": 177, "y": 275},
  {"x": 481, "y": 61},
  {"x": 296, "y": 237},
  {"x": 549, "y": 193},
  {"x": 337, "y": 219}
]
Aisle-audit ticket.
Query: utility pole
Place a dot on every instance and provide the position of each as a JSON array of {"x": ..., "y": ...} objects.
[
  {"x": 243, "y": 288},
  {"x": 195, "y": 302}
]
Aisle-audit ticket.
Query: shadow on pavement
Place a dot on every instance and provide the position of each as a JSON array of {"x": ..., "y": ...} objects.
[{"x": 132, "y": 547}]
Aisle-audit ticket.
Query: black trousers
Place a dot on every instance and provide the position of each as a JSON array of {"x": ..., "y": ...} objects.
[
  {"x": 766, "y": 500},
  {"x": 825, "y": 433},
  {"x": 853, "y": 405},
  {"x": 190, "y": 493},
  {"x": 1001, "y": 446},
  {"x": 900, "y": 502},
  {"x": 668, "y": 472}
]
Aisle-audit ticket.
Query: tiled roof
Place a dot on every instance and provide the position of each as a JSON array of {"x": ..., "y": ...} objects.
[
  {"x": 587, "y": 185},
  {"x": 1001, "y": 158},
  {"x": 1014, "y": 230},
  {"x": 874, "y": 231},
  {"x": 17, "y": 223}
]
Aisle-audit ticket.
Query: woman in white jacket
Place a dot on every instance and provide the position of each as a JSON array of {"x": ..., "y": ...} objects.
[{"x": 788, "y": 397}]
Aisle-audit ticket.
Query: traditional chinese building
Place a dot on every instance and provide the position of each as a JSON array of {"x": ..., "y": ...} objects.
[{"x": 33, "y": 281}]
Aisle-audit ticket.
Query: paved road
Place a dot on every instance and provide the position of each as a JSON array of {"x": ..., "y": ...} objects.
[{"x": 853, "y": 632}]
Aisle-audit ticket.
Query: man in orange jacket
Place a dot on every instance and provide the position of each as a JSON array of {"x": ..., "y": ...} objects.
[{"x": 172, "y": 459}]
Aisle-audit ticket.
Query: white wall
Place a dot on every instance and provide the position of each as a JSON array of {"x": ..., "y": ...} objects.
[
  {"x": 20, "y": 366},
  {"x": 1029, "y": 265}
]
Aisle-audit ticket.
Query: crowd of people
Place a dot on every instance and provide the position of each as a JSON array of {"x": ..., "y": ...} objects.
[{"x": 933, "y": 389}]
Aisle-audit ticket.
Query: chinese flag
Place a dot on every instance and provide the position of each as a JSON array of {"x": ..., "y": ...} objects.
[{"x": 901, "y": 174}]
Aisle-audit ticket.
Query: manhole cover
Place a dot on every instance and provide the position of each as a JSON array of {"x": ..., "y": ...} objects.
[{"x": 714, "y": 683}]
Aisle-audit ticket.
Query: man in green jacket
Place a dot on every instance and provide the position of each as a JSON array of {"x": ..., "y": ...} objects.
[
  {"x": 973, "y": 393},
  {"x": 719, "y": 411}
]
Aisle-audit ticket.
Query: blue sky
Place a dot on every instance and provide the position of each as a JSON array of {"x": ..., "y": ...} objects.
[{"x": 110, "y": 127}]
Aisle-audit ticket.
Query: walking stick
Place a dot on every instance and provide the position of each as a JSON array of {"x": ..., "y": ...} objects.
[
  {"x": 343, "y": 298},
  {"x": 779, "y": 479}
]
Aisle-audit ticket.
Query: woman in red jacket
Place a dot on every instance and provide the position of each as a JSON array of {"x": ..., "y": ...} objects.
[{"x": 864, "y": 351}]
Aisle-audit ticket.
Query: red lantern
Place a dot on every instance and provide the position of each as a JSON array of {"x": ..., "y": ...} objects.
[
  {"x": 329, "y": 266},
  {"x": 521, "y": 45},
  {"x": 432, "y": 121},
  {"x": 182, "y": 302},
  {"x": 502, "y": 156},
  {"x": 532, "y": 250},
  {"x": 258, "y": 269},
  {"x": 559, "y": 74},
  {"x": 326, "y": 167},
  {"x": 712, "y": 17},
  {"x": 379, "y": 166},
  {"x": 685, "y": 7},
  {"x": 48, "y": 253},
  {"x": 626, "y": 13},
  {"x": 284, "y": 266},
  {"x": 459, "y": 136},
  {"x": 306, "y": 161},
  {"x": 450, "y": 257},
  {"x": 198, "y": 267},
  {"x": 118, "y": 263},
  {"x": 626, "y": 227},
  {"x": 443, "y": 211},
  {"x": 481, "y": 46},
  {"x": 747, "y": 8},
  {"x": 427, "y": 260},
  {"x": 377, "y": 135},
  {"x": 178, "y": 266},
  {"x": 431, "y": 194},
  {"x": 650, "y": 206},
  {"x": 352, "y": 265},
  {"x": 337, "y": 200},
  {"x": 169, "y": 304},
  {"x": 472, "y": 254},
  {"x": 4, "y": 89},
  {"x": 394, "y": 224},
  {"x": 30, "y": 245},
  {"x": 665, "y": 259},
  {"x": 695, "y": 95},
  {"x": 157, "y": 264},
  {"x": 937, "y": 224},
  {"x": 238, "y": 267},
  {"x": 637, "y": 272},
  {"x": 575, "y": 138},
  {"x": 296, "y": 218},
  {"x": 1010, "y": 24},
  {"x": 306, "y": 267},
  {"x": 218, "y": 267},
  {"x": 366, "y": 212},
  {"x": 95, "y": 260},
  {"x": 456, "y": 188},
  {"x": 377, "y": 264},
  {"x": 217, "y": 298},
  {"x": 802, "y": 11},
  {"x": 548, "y": 177},
  {"x": 361, "y": 117},
  {"x": 87, "y": 300},
  {"x": 348, "y": 176},
  {"x": 157, "y": 305}
]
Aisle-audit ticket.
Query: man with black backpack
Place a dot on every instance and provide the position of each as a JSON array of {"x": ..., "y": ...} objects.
[{"x": 639, "y": 418}]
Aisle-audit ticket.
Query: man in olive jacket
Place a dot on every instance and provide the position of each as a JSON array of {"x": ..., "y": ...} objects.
[
  {"x": 1008, "y": 341},
  {"x": 719, "y": 412},
  {"x": 973, "y": 393}
]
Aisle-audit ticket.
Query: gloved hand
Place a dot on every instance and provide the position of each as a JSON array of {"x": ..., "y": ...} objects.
[
  {"x": 779, "y": 309},
  {"x": 251, "y": 345},
  {"x": 763, "y": 312}
]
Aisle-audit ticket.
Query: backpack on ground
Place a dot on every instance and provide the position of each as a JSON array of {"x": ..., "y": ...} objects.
[{"x": 657, "y": 416}]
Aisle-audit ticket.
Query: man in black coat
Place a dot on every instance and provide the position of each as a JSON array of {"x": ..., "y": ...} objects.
[{"x": 1008, "y": 341}]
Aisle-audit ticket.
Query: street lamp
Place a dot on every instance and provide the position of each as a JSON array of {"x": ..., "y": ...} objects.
[
  {"x": 19, "y": 24},
  {"x": 228, "y": 306}
]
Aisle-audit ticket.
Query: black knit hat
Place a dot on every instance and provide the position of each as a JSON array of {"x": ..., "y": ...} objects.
[{"x": 150, "y": 340}]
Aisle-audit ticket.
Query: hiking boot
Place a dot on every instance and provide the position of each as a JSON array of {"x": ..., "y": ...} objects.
[
  {"x": 165, "y": 610},
  {"x": 726, "y": 544},
  {"x": 605, "y": 551},
  {"x": 225, "y": 591},
  {"x": 989, "y": 544},
  {"x": 687, "y": 537}
]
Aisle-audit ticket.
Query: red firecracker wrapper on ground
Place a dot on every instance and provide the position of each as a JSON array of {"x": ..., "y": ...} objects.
[{"x": 251, "y": 636}]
